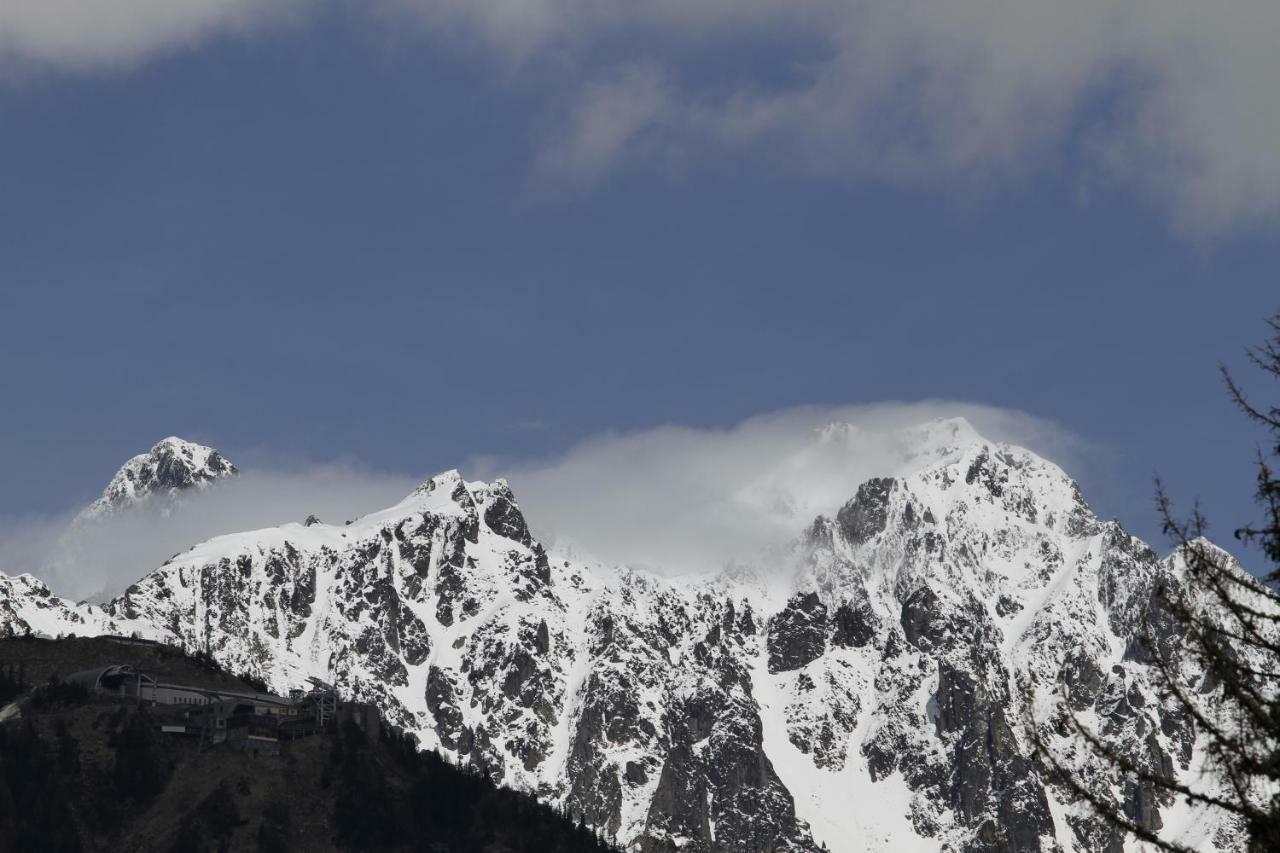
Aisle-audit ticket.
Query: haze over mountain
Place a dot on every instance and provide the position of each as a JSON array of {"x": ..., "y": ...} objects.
[
  {"x": 862, "y": 687},
  {"x": 163, "y": 501},
  {"x": 719, "y": 494}
]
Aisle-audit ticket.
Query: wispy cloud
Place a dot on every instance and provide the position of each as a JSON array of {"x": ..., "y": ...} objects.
[
  {"x": 613, "y": 118},
  {"x": 681, "y": 499},
  {"x": 80, "y": 35},
  {"x": 1173, "y": 98},
  {"x": 106, "y": 556},
  {"x": 671, "y": 498}
]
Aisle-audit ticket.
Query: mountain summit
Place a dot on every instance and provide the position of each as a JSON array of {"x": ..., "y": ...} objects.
[
  {"x": 172, "y": 466},
  {"x": 866, "y": 689}
]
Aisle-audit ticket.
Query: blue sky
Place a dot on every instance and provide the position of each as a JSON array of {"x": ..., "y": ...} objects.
[{"x": 423, "y": 236}]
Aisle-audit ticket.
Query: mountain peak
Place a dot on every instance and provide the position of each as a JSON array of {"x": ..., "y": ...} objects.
[
  {"x": 856, "y": 687},
  {"x": 448, "y": 481},
  {"x": 174, "y": 442},
  {"x": 172, "y": 465},
  {"x": 941, "y": 436}
]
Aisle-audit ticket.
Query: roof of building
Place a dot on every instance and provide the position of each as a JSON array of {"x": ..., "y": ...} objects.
[{"x": 95, "y": 678}]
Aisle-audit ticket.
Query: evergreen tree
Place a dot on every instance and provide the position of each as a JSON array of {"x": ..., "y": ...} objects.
[
  {"x": 35, "y": 800},
  {"x": 140, "y": 770},
  {"x": 276, "y": 826},
  {"x": 1227, "y": 625},
  {"x": 208, "y": 827}
]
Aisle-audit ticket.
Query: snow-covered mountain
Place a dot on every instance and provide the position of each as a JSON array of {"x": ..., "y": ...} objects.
[
  {"x": 169, "y": 468},
  {"x": 866, "y": 690}
]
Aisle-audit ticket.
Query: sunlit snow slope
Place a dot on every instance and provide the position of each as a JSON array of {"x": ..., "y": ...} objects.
[{"x": 867, "y": 689}]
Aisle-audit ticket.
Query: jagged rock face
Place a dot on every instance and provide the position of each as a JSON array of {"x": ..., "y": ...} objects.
[
  {"x": 868, "y": 512},
  {"x": 170, "y": 467},
  {"x": 27, "y": 606},
  {"x": 869, "y": 695},
  {"x": 798, "y": 635}
]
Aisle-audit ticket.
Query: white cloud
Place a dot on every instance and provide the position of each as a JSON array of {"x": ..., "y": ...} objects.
[
  {"x": 673, "y": 498},
  {"x": 84, "y": 34},
  {"x": 613, "y": 118},
  {"x": 1176, "y": 98},
  {"x": 680, "y": 499},
  {"x": 86, "y": 560}
]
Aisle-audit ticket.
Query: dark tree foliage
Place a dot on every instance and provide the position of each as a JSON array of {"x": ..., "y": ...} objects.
[
  {"x": 273, "y": 832},
  {"x": 253, "y": 681},
  {"x": 434, "y": 807},
  {"x": 57, "y": 794},
  {"x": 59, "y": 694},
  {"x": 13, "y": 683},
  {"x": 68, "y": 750},
  {"x": 205, "y": 658},
  {"x": 1227, "y": 625},
  {"x": 35, "y": 793},
  {"x": 208, "y": 827},
  {"x": 364, "y": 809},
  {"x": 141, "y": 769}
]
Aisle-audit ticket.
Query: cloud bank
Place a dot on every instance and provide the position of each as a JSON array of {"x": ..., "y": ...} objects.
[
  {"x": 1176, "y": 98},
  {"x": 672, "y": 499},
  {"x": 100, "y": 559},
  {"x": 679, "y": 499}
]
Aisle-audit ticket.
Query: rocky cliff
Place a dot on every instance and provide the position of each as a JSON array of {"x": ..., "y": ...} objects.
[{"x": 869, "y": 688}]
